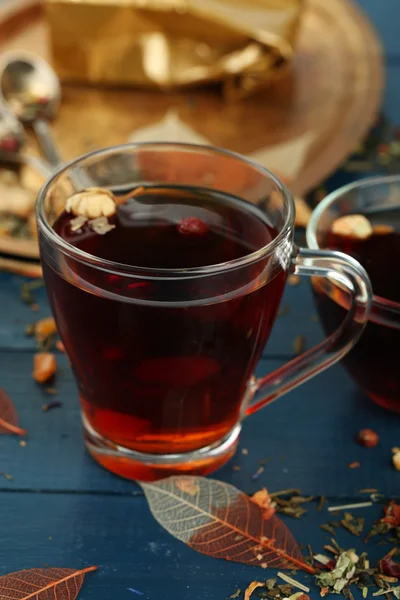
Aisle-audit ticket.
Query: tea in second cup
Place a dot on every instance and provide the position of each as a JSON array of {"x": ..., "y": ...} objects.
[{"x": 363, "y": 220}]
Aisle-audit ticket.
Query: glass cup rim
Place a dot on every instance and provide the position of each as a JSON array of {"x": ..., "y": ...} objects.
[
  {"x": 311, "y": 231},
  {"x": 108, "y": 265}
]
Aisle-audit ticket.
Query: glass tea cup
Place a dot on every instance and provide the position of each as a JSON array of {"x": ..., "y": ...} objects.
[
  {"x": 374, "y": 362},
  {"x": 164, "y": 349}
]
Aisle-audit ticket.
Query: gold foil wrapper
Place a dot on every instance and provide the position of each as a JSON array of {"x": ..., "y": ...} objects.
[{"x": 172, "y": 44}]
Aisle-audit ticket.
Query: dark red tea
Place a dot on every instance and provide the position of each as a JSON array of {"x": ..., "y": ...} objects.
[
  {"x": 162, "y": 365},
  {"x": 374, "y": 361}
]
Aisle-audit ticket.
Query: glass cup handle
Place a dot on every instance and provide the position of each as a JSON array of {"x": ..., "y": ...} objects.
[{"x": 343, "y": 269}]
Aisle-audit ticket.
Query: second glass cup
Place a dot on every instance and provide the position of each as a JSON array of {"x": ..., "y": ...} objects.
[
  {"x": 374, "y": 362},
  {"x": 165, "y": 314}
]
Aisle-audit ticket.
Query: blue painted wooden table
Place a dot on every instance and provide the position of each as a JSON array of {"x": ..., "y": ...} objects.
[{"x": 62, "y": 509}]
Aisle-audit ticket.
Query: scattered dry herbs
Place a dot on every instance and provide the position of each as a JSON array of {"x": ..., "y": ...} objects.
[
  {"x": 27, "y": 289},
  {"x": 293, "y": 279},
  {"x": 328, "y": 528},
  {"x": 258, "y": 473},
  {"x": 52, "y": 391},
  {"x": 299, "y": 344},
  {"x": 388, "y": 566},
  {"x": 285, "y": 310},
  {"x": 44, "y": 366},
  {"x": 390, "y": 522},
  {"x": 353, "y": 525},
  {"x": 51, "y": 405}
]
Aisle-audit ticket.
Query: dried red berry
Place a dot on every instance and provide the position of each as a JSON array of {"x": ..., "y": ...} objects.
[
  {"x": 9, "y": 144},
  {"x": 368, "y": 438},
  {"x": 192, "y": 226}
]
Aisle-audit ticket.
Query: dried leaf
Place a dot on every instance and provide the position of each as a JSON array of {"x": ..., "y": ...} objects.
[
  {"x": 40, "y": 584},
  {"x": 8, "y": 416},
  {"x": 253, "y": 586},
  {"x": 220, "y": 521}
]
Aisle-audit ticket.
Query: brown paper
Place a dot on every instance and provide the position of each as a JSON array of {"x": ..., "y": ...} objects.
[{"x": 173, "y": 43}]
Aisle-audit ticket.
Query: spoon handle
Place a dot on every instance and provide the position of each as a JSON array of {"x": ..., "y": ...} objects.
[
  {"x": 79, "y": 179},
  {"x": 46, "y": 142},
  {"x": 35, "y": 163}
]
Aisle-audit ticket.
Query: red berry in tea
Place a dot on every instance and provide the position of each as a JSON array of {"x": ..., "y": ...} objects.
[{"x": 192, "y": 226}]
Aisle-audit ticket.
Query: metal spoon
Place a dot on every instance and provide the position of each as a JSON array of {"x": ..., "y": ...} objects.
[
  {"x": 32, "y": 92},
  {"x": 12, "y": 139}
]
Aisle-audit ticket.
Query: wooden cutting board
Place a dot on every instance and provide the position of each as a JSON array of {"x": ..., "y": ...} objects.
[{"x": 307, "y": 123}]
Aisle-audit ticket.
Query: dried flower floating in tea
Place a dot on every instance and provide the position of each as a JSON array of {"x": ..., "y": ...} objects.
[
  {"x": 77, "y": 223},
  {"x": 352, "y": 226},
  {"x": 92, "y": 203},
  {"x": 101, "y": 226}
]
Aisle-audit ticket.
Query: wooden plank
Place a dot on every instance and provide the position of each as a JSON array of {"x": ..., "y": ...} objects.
[
  {"x": 392, "y": 93},
  {"x": 14, "y": 315},
  {"x": 307, "y": 439},
  {"x": 131, "y": 550},
  {"x": 385, "y": 18}
]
